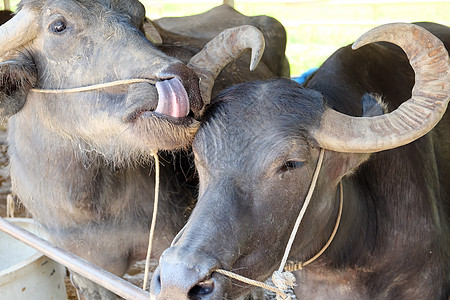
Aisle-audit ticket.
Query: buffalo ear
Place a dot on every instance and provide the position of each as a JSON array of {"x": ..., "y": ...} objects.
[
  {"x": 372, "y": 105},
  {"x": 17, "y": 77},
  {"x": 152, "y": 33}
]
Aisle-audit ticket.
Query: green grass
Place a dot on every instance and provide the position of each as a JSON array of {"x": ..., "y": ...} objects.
[{"x": 315, "y": 29}]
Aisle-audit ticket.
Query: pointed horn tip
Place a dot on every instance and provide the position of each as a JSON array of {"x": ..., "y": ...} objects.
[
  {"x": 256, "y": 58},
  {"x": 369, "y": 37},
  {"x": 259, "y": 45}
]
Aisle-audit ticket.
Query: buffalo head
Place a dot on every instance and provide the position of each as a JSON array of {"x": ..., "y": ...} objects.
[
  {"x": 69, "y": 44},
  {"x": 256, "y": 154}
]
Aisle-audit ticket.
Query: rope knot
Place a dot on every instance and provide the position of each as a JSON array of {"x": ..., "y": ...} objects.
[{"x": 283, "y": 280}]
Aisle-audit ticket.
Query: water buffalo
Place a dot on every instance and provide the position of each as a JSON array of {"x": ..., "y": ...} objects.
[
  {"x": 81, "y": 161},
  {"x": 175, "y": 30},
  {"x": 256, "y": 153}
]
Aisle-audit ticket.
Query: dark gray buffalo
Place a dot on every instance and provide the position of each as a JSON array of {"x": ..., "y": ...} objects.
[
  {"x": 81, "y": 161},
  {"x": 258, "y": 149}
]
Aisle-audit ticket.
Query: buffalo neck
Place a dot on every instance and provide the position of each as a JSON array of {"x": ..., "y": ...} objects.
[
  {"x": 389, "y": 214},
  {"x": 81, "y": 188}
]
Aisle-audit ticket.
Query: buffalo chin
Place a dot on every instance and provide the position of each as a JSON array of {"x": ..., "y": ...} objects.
[{"x": 165, "y": 132}]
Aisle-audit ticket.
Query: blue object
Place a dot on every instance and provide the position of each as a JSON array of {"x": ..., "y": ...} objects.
[{"x": 302, "y": 78}]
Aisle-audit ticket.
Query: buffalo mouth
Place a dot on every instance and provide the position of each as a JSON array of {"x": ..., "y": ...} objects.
[{"x": 174, "y": 105}]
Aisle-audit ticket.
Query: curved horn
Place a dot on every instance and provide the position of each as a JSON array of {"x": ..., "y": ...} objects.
[
  {"x": 227, "y": 46},
  {"x": 18, "y": 31},
  {"x": 413, "y": 118}
]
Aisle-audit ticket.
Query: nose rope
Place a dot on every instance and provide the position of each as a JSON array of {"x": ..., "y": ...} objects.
[
  {"x": 93, "y": 86},
  {"x": 154, "y": 153},
  {"x": 294, "y": 266},
  {"x": 286, "y": 279},
  {"x": 303, "y": 210},
  {"x": 282, "y": 280},
  {"x": 253, "y": 282}
]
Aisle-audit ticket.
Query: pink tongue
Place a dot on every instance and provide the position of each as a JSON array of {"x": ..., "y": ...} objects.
[{"x": 173, "y": 100}]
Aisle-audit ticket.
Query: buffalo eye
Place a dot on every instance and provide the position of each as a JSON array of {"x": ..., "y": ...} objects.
[
  {"x": 291, "y": 165},
  {"x": 58, "y": 26}
]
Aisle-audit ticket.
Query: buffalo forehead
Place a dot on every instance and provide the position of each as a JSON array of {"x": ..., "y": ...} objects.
[
  {"x": 90, "y": 10},
  {"x": 255, "y": 132}
]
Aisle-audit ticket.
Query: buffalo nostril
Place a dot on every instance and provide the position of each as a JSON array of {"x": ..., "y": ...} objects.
[
  {"x": 202, "y": 288},
  {"x": 155, "y": 285}
]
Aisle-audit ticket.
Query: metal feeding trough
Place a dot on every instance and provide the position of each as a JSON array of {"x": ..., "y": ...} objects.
[
  {"x": 84, "y": 268},
  {"x": 25, "y": 273}
]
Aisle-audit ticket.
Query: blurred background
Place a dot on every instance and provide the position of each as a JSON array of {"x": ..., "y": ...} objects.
[{"x": 315, "y": 28}]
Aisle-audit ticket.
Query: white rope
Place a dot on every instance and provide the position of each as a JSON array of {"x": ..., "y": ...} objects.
[
  {"x": 93, "y": 87},
  {"x": 333, "y": 233},
  {"x": 283, "y": 280},
  {"x": 154, "y": 153},
  {"x": 152, "y": 227},
  {"x": 286, "y": 278},
  {"x": 10, "y": 206},
  {"x": 253, "y": 282}
]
